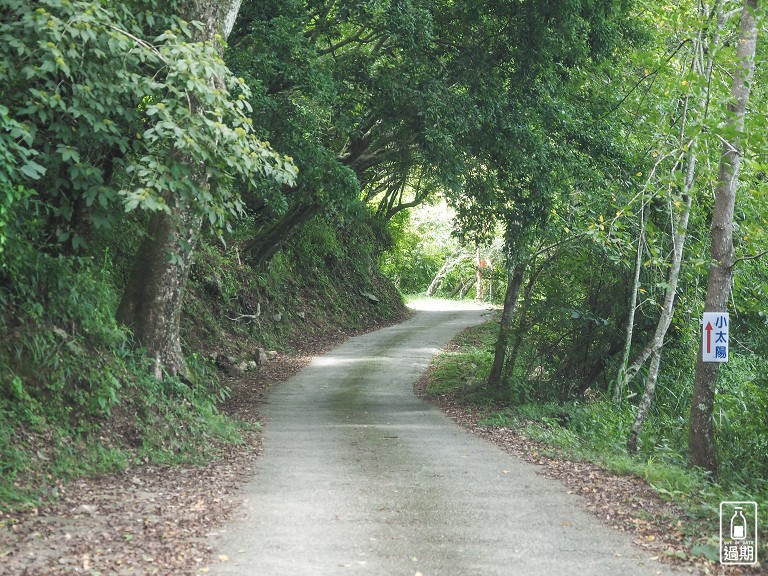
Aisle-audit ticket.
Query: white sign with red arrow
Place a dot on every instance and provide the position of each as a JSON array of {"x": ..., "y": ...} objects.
[{"x": 714, "y": 344}]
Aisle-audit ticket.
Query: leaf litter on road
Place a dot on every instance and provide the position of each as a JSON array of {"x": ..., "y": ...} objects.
[{"x": 152, "y": 520}]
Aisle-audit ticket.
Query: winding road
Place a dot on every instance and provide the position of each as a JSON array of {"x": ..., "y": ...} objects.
[{"x": 359, "y": 476}]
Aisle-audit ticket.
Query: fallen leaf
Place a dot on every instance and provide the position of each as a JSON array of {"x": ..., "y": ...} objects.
[{"x": 223, "y": 558}]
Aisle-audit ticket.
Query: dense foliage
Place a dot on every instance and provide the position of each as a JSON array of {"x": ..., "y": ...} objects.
[
  {"x": 112, "y": 115},
  {"x": 578, "y": 144},
  {"x": 607, "y": 227}
]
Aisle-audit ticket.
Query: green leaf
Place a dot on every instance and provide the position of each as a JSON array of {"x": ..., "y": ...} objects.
[
  {"x": 131, "y": 204},
  {"x": 68, "y": 153},
  {"x": 709, "y": 551},
  {"x": 32, "y": 170}
]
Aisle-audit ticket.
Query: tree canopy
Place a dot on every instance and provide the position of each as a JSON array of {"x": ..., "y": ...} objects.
[{"x": 589, "y": 144}]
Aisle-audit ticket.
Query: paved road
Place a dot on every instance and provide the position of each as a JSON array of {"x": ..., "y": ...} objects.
[{"x": 359, "y": 476}]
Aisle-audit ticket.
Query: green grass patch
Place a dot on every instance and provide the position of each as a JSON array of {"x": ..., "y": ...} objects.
[
  {"x": 52, "y": 434},
  {"x": 77, "y": 397},
  {"x": 463, "y": 370}
]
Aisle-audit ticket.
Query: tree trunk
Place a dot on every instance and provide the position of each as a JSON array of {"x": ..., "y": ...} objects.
[
  {"x": 460, "y": 287},
  {"x": 151, "y": 304},
  {"x": 701, "y": 437},
  {"x": 466, "y": 287},
  {"x": 522, "y": 319},
  {"x": 679, "y": 241},
  {"x": 499, "y": 376},
  {"x": 450, "y": 262},
  {"x": 621, "y": 378},
  {"x": 645, "y": 402},
  {"x": 262, "y": 248},
  {"x": 514, "y": 282},
  {"x": 678, "y": 236},
  {"x": 668, "y": 308},
  {"x": 479, "y": 275},
  {"x": 673, "y": 277}
]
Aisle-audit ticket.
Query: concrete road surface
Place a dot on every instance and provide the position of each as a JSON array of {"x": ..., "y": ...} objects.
[{"x": 359, "y": 476}]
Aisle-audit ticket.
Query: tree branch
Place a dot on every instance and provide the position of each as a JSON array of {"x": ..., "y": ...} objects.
[
  {"x": 750, "y": 257},
  {"x": 356, "y": 37},
  {"x": 641, "y": 80},
  {"x": 558, "y": 244}
]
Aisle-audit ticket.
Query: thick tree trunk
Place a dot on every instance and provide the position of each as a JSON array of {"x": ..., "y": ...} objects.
[
  {"x": 218, "y": 17},
  {"x": 514, "y": 282},
  {"x": 701, "y": 438},
  {"x": 151, "y": 304},
  {"x": 263, "y": 247}
]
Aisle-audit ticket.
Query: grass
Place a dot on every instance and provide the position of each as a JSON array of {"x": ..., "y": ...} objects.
[
  {"x": 464, "y": 368},
  {"x": 75, "y": 404}
]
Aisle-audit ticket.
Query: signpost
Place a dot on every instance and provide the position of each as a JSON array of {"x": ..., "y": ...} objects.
[{"x": 715, "y": 338}]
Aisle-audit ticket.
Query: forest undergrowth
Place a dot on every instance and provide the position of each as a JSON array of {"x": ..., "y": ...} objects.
[
  {"x": 78, "y": 397},
  {"x": 593, "y": 429}
]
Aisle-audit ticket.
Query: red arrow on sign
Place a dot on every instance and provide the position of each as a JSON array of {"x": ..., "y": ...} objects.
[{"x": 708, "y": 328}]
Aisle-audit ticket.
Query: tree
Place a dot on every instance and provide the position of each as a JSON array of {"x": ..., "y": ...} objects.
[
  {"x": 100, "y": 119},
  {"x": 294, "y": 102},
  {"x": 701, "y": 67},
  {"x": 565, "y": 161},
  {"x": 523, "y": 157},
  {"x": 69, "y": 112},
  {"x": 390, "y": 92},
  {"x": 199, "y": 140},
  {"x": 701, "y": 432}
]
